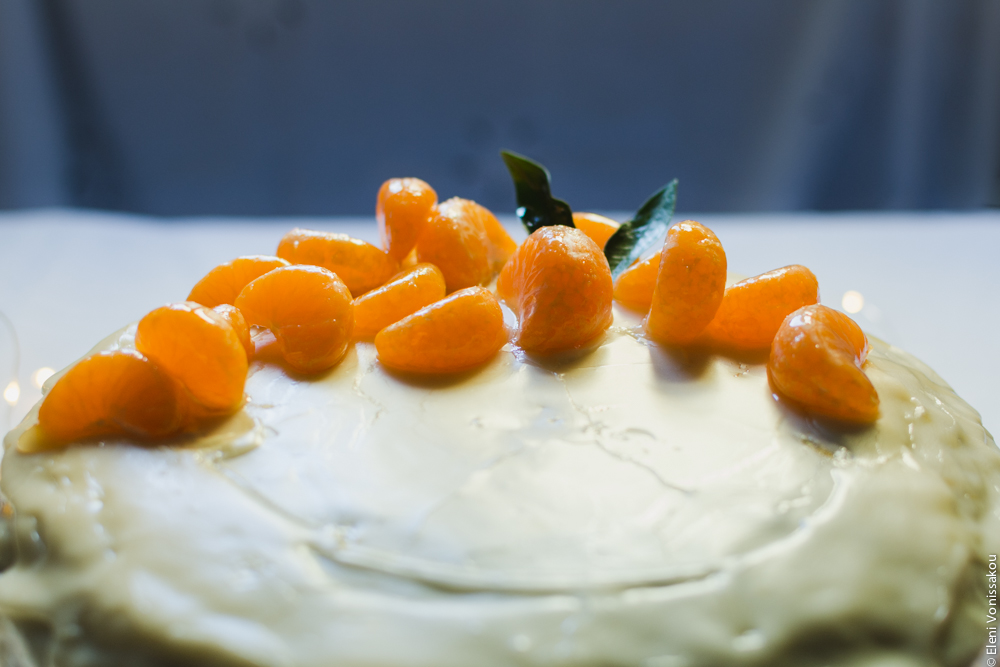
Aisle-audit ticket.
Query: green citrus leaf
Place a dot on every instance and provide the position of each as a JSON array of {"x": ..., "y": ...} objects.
[
  {"x": 536, "y": 207},
  {"x": 637, "y": 235}
]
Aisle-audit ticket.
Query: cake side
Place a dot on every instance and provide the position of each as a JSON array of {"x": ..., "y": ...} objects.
[{"x": 632, "y": 506}]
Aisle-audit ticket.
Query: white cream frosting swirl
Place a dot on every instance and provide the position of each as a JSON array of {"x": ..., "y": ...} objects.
[{"x": 628, "y": 507}]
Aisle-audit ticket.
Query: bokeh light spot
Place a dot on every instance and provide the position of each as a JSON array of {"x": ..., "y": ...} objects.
[
  {"x": 41, "y": 375},
  {"x": 12, "y": 392},
  {"x": 852, "y": 302}
]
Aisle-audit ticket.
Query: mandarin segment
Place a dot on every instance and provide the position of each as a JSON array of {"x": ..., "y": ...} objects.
[
  {"x": 309, "y": 311},
  {"x": 816, "y": 362},
  {"x": 690, "y": 284},
  {"x": 225, "y": 282},
  {"x": 634, "y": 287},
  {"x": 558, "y": 283},
  {"x": 752, "y": 310},
  {"x": 359, "y": 264},
  {"x": 110, "y": 394},
  {"x": 199, "y": 349},
  {"x": 234, "y": 317},
  {"x": 458, "y": 333},
  {"x": 597, "y": 227},
  {"x": 402, "y": 209},
  {"x": 501, "y": 245},
  {"x": 405, "y": 294},
  {"x": 455, "y": 241}
]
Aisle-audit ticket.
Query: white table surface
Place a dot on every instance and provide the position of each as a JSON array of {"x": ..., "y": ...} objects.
[{"x": 930, "y": 280}]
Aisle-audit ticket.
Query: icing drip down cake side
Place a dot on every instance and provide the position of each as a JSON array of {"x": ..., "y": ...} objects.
[{"x": 630, "y": 506}]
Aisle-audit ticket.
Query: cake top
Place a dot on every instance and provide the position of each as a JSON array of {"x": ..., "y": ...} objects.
[
  {"x": 345, "y": 454},
  {"x": 421, "y": 296}
]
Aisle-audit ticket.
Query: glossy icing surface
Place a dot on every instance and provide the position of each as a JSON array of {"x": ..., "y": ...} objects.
[{"x": 627, "y": 507}]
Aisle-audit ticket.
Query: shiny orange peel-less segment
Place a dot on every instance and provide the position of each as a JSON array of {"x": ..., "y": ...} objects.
[
  {"x": 359, "y": 264},
  {"x": 224, "y": 283},
  {"x": 597, "y": 227},
  {"x": 816, "y": 362},
  {"x": 458, "y": 333},
  {"x": 402, "y": 209},
  {"x": 752, "y": 310},
  {"x": 199, "y": 349},
  {"x": 634, "y": 287},
  {"x": 690, "y": 283},
  {"x": 234, "y": 317},
  {"x": 558, "y": 283},
  {"x": 405, "y": 294},
  {"x": 109, "y": 394},
  {"x": 309, "y": 311},
  {"x": 500, "y": 245},
  {"x": 455, "y": 241}
]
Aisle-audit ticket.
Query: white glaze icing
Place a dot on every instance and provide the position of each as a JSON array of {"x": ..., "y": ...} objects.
[{"x": 628, "y": 507}]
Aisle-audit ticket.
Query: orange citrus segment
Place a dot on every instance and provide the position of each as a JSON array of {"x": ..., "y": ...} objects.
[
  {"x": 501, "y": 245},
  {"x": 458, "y": 333},
  {"x": 234, "y": 317},
  {"x": 107, "y": 394},
  {"x": 199, "y": 349},
  {"x": 406, "y": 293},
  {"x": 816, "y": 362},
  {"x": 690, "y": 283},
  {"x": 224, "y": 283},
  {"x": 753, "y": 309},
  {"x": 359, "y": 264},
  {"x": 634, "y": 287},
  {"x": 558, "y": 283},
  {"x": 455, "y": 241},
  {"x": 597, "y": 227},
  {"x": 309, "y": 311},
  {"x": 402, "y": 209}
]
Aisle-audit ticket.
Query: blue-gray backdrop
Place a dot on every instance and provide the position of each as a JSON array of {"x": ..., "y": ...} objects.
[{"x": 266, "y": 107}]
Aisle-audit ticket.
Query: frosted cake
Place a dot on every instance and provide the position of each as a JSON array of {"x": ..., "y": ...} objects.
[{"x": 620, "y": 501}]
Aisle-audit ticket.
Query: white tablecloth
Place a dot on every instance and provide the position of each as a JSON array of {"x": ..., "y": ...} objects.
[{"x": 931, "y": 282}]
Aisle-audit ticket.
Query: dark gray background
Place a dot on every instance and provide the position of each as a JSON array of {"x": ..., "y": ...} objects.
[{"x": 268, "y": 107}]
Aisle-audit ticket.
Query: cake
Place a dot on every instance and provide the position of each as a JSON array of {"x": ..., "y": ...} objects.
[{"x": 622, "y": 503}]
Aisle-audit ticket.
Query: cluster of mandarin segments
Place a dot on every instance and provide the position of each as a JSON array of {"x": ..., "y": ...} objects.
[
  {"x": 559, "y": 285},
  {"x": 816, "y": 362},
  {"x": 457, "y": 333},
  {"x": 323, "y": 289},
  {"x": 816, "y": 353},
  {"x": 191, "y": 358},
  {"x": 452, "y": 247},
  {"x": 189, "y": 365}
]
